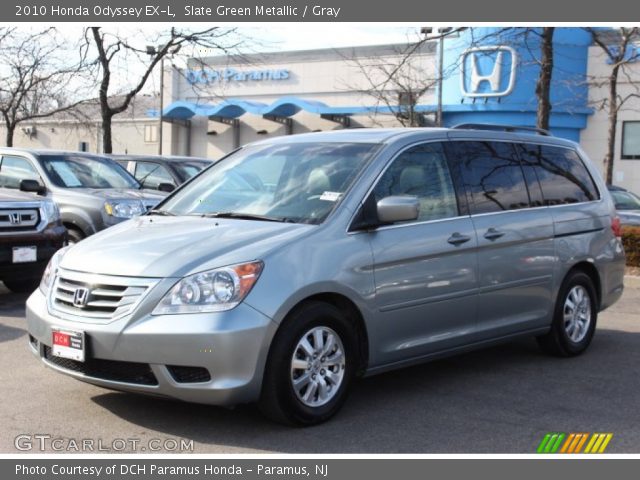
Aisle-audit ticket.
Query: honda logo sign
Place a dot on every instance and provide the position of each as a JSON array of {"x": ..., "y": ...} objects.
[
  {"x": 80, "y": 297},
  {"x": 488, "y": 71},
  {"x": 14, "y": 218}
]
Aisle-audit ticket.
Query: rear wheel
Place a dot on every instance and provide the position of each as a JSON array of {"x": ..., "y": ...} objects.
[
  {"x": 310, "y": 366},
  {"x": 575, "y": 317}
]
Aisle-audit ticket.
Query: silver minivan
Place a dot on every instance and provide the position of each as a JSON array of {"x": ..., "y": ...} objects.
[{"x": 299, "y": 263}]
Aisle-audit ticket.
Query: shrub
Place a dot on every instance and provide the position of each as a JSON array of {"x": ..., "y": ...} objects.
[{"x": 631, "y": 242}]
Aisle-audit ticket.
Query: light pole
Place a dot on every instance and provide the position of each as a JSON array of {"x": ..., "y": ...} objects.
[
  {"x": 151, "y": 50},
  {"x": 438, "y": 33}
]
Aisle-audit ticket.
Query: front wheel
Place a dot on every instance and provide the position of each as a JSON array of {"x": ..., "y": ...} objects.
[
  {"x": 575, "y": 316},
  {"x": 310, "y": 366}
]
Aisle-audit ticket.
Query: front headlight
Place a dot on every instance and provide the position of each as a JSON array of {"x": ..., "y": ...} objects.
[
  {"x": 211, "y": 291},
  {"x": 51, "y": 270},
  {"x": 50, "y": 212},
  {"x": 123, "y": 208}
]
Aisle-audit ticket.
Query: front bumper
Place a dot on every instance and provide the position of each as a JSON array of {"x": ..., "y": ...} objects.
[
  {"x": 232, "y": 346},
  {"x": 47, "y": 243}
]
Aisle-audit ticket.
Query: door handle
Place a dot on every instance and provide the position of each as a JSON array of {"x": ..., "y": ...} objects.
[
  {"x": 493, "y": 234},
  {"x": 458, "y": 239}
]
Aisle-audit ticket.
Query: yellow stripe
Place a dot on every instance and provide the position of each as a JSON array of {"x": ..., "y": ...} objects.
[
  {"x": 567, "y": 442},
  {"x": 596, "y": 445},
  {"x": 590, "y": 444},
  {"x": 607, "y": 439},
  {"x": 574, "y": 443},
  {"x": 584, "y": 439}
]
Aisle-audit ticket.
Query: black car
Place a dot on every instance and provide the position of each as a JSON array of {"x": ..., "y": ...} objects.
[
  {"x": 31, "y": 231},
  {"x": 627, "y": 205},
  {"x": 162, "y": 172}
]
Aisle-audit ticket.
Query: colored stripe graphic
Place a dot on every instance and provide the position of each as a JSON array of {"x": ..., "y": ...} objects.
[
  {"x": 550, "y": 443},
  {"x": 598, "y": 443},
  {"x": 556, "y": 442}
]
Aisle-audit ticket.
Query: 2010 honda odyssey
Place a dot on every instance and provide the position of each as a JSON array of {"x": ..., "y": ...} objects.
[{"x": 298, "y": 263}]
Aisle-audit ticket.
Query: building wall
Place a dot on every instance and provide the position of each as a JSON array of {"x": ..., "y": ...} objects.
[
  {"x": 335, "y": 78},
  {"x": 128, "y": 136},
  {"x": 626, "y": 173}
]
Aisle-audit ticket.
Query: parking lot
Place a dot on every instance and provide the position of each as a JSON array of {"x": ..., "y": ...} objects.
[{"x": 499, "y": 400}]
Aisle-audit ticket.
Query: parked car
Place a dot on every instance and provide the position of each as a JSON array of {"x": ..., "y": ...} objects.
[
  {"x": 298, "y": 263},
  {"x": 627, "y": 205},
  {"x": 92, "y": 192},
  {"x": 31, "y": 231},
  {"x": 164, "y": 173}
]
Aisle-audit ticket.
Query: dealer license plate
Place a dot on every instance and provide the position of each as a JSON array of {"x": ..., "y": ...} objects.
[
  {"x": 68, "y": 344},
  {"x": 25, "y": 254}
]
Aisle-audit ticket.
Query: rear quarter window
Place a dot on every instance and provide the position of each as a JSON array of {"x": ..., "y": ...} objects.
[{"x": 563, "y": 177}]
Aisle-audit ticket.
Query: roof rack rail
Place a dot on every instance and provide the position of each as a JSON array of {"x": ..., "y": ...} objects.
[{"x": 506, "y": 128}]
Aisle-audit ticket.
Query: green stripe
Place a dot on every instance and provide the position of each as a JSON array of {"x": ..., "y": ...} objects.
[
  {"x": 558, "y": 443},
  {"x": 543, "y": 443},
  {"x": 550, "y": 443}
]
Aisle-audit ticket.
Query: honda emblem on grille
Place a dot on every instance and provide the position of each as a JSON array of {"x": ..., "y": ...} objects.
[
  {"x": 14, "y": 218},
  {"x": 80, "y": 297}
]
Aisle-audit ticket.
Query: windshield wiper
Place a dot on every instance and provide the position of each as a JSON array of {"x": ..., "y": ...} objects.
[
  {"x": 244, "y": 216},
  {"x": 164, "y": 213}
]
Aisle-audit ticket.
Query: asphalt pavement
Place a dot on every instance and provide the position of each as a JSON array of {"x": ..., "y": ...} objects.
[{"x": 499, "y": 400}]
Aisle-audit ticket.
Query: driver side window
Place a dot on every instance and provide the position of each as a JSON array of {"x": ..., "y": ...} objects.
[
  {"x": 421, "y": 171},
  {"x": 15, "y": 169}
]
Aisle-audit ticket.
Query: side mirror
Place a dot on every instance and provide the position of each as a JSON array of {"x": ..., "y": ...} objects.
[
  {"x": 166, "y": 187},
  {"x": 34, "y": 186},
  {"x": 401, "y": 208}
]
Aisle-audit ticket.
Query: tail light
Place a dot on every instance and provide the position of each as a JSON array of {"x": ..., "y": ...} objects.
[{"x": 616, "y": 226}]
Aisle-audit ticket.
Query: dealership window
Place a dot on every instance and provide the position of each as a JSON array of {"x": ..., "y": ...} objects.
[
  {"x": 151, "y": 133},
  {"x": 631, "y": 140}
]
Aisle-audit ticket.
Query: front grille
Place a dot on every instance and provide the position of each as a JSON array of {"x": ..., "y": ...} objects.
[
  {"x": 189, "y": 374},
  {"x": 106, "y": 298},
  {"x": 18, "y": 219},
  {"x": 126, "y": 372}
]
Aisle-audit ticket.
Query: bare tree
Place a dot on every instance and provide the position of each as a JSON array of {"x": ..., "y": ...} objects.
[
  {"x": 111, "y": 49},
  {"x": 398, "y": 79},
  {"x": 543, "y": 84},
  {"x": 36, "y": 70},
  {"x": 620, "y": 53}
]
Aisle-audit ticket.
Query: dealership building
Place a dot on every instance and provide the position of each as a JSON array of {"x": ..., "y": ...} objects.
[{"x": 489, "y": 75}]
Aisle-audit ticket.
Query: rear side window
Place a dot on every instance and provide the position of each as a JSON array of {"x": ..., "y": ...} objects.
[
  {"x": 563, "y": 177},
  {"x": 492, "y": 176}
]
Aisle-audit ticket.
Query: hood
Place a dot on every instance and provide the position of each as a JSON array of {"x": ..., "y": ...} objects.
[
  {"x": 7, "y": 195},
  {"x": 629, "y": 217},
  {"x": 154, "y": 246},
  {"x": 122, "y": 194}
]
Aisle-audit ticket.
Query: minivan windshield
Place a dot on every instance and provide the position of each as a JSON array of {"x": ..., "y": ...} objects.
[
  {"x": 83, "y": 171},
  {"x": 296, "y": 182}
]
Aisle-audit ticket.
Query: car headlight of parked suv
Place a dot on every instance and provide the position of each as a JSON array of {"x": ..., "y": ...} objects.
[
  {"x": 123, "y": 208},
  {"x": 50, "y": 212},
  {"x": 50, "y": 272},
  {"x": 211, "y": 291}
]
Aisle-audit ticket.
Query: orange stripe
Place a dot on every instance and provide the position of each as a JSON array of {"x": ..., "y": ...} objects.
[
  {"x": 567, "y": 442},
  {"x": 574, "y": 443},
  {"x": 584, "y": 439}
]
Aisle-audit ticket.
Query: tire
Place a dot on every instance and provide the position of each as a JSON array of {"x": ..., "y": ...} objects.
[
  {"x": 307, "y": 405},
  {"x": 74, "y": 235},
  {"x": 564, "y": 340},
  {"x": 21, "y": 285}
]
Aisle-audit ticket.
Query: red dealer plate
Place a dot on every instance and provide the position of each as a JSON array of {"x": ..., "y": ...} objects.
[{"x": 68, "y": 344}]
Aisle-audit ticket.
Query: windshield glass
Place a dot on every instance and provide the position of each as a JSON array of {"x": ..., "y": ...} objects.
[
  {"x": 79, "y": 171},
  {"x": 188, "y": 170},
  {"x": 298, "y": 182},
  {"x": 625, "y": 200}
]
